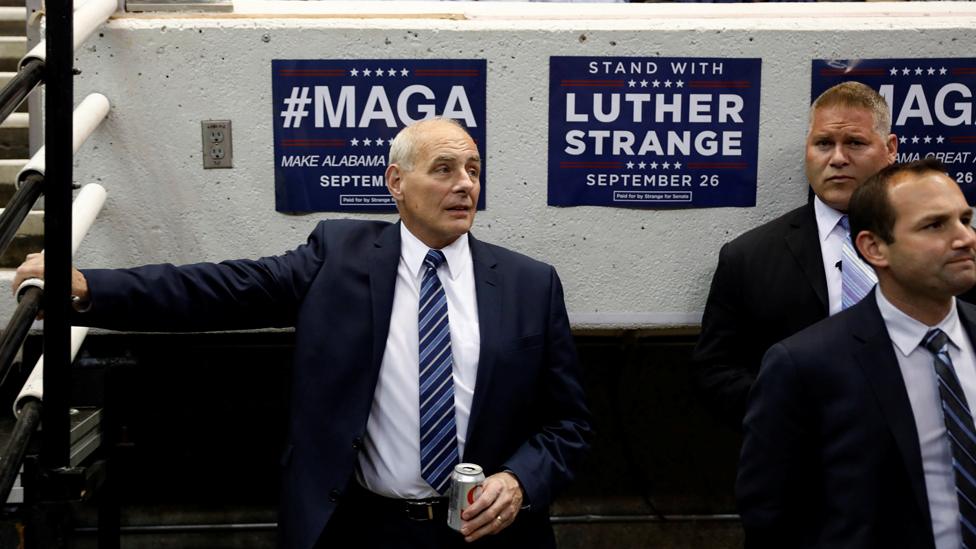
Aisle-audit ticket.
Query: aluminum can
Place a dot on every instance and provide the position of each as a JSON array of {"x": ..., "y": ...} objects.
[{"x": 466, "y": 481}]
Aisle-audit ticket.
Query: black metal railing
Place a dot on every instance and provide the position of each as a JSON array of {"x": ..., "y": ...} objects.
[
  {"x": 13, "y": 454},
  {"x": 19, "y": 206},
  {"x": 20, "y": 86}
]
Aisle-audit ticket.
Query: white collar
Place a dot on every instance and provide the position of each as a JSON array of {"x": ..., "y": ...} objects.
[
  {"x": 413, "y": 252},
  {"x": 907, "y": 333},
  {"x": 827, "y": 217}
]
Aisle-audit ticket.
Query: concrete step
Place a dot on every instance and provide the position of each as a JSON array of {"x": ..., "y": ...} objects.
[
  {"x": 14, "y": 136},
  {"x": 13, "y": 20},
  {"x": 12, "y": 48}
]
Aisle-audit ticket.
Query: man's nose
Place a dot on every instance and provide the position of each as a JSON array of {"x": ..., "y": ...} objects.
[{"x": 838, "y": 156}]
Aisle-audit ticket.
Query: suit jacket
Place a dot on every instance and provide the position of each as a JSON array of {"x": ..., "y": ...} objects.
[
  {"x": 769, "y": 284},
  {"x": 831, "y": 456},
  {"x": 527, "y": 416}
]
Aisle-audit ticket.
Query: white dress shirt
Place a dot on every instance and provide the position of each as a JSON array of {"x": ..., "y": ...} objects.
[
  {"x": 832, "y": 237},
  {"x": 918, "y": 372},
  {"x": 389, "y": 464}
]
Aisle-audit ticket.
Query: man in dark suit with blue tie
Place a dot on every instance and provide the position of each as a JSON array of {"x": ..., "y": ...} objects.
[
  {"x": 859, "y": 429},
  {"x": 417, "y": 346}
]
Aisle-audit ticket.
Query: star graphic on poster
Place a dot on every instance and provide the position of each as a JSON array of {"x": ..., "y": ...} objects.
[
  {"x": 404, "y": 72},
  {"x": 927, "y": 139},
  {"x": 643, "y": 83},
  {"x": 918, "y": 70},
  {"x": 391, "y": 72},
  {"x": 642, "y": 165},
  {"x": 379, "y": 141},
  {"x": 354, "y": 142},
  {"x": 630, "y": 165},
  {"x": 903, "y": 140},
  {"x": 906, "y": 71},
  {"x": 354, "y": 72},
  {"x": 631, "y": 83},
  {"x": 667, "y": 83},
  {"x": 680, "y": 83},
  {"x": 367, "y": 72},
  {"x": 914, "y": 139},
  {"x": 367, "y": 142},
  {"x": 939, "y": 139},
  {"x": 677, "y": 165},
  {"x": 931, "y": 71},
  {"x": 656, "y": 83},
  {"x": 653, "y": 165},
  {"x": 942, "y": 70},
  {"x": 666, "y": 165},
  {"x": 379, "y": 72},
  {"x": 893, "y": 71}
]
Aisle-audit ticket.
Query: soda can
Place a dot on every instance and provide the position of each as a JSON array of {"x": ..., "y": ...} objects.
[{"x": 466, "y": 481}]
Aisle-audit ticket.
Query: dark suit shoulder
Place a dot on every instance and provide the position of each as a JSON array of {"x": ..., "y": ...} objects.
[
  {"x": 487, "y": 252},
  {"x": 759, "y": 239},
  {"x": 826, "y": 338}
]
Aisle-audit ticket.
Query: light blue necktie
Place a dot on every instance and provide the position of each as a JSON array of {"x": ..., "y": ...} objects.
[
  {"x": 857, "y": 277},
  {"x": 438, "y": 430},
  {"x": 961, "y": 433}
]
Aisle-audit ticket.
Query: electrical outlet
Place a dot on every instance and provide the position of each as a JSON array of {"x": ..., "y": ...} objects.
[{"x": 217, "y": 148}]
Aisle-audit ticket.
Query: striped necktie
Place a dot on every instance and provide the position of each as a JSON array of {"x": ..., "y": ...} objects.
[
  {"x": 962, "y": 435},
  {"x": 857, "y": 278},
  {"x": 438, "y": 431}
]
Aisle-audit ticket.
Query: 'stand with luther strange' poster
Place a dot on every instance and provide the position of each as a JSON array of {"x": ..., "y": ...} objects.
[
  {"x": 653, "y": 132},
  {"x": 931, "y": 102}
]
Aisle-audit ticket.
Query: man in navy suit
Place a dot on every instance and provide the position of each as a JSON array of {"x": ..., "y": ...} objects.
[
  {"x": 859, "y": 430},
  {"x": 357, "y": 470},
  {"x": 780, "y": 277}
]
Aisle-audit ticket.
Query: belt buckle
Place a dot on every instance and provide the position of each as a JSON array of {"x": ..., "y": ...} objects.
[{"x": 419, "y": 511}]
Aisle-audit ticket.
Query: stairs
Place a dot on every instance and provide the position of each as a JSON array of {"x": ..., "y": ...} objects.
[{"x": 14, "y": 143}]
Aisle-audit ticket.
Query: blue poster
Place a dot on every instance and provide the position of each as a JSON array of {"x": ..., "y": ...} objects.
[
  {"x": 931, "y": 101},
  {"x": 653, "y": 132},
  {"x": 334, "y": 120}
]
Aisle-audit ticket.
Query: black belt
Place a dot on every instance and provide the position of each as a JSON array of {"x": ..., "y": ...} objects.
[{"x": 413, "y": 509}]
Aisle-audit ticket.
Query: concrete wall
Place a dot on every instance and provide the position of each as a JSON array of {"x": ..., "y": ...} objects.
[{"x": 164, "y": 73}]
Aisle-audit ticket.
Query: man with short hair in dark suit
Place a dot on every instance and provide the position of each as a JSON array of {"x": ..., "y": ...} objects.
[
  {"x": 859, "y": 430},
  {"x": 783, "y": 276},
  {"x": 416, "y": 347}
]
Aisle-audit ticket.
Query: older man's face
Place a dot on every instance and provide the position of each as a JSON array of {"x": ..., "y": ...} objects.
[
  {"x": 843, "y": 151},
  {"x": 438, "y": 197}
]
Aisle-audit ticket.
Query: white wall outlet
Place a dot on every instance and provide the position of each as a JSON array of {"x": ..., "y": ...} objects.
[{"x": 217, "y": 148}]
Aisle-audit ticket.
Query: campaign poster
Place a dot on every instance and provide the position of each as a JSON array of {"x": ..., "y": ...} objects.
[
  {"x": 334, "y": 120},
  {"x": 931, "y": 102},
  {"x": 653, "y": 132}
]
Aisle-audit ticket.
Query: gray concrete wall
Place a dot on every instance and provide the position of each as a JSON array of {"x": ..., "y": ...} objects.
[{"x": 164, "y": 73}]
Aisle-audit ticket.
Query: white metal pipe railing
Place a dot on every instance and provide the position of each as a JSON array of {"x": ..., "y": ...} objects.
[
  {"x": 84, "y": 210},
  {"x": 88, "y": 17},
  {"x": 87, "y": 116}
]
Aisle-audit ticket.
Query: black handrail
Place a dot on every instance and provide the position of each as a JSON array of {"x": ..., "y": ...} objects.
[
  {"x": 20, "y": 86},
  {"x": 17, "y": 327},
  {"x": 13, "y": 454},
  {"x": 19, "y": 206},
  {"x": 58, "y": 131}
]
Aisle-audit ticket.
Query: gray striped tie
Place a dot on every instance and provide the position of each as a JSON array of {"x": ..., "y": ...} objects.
[
  {"x": 857, "y": 277},
  {"x": 962, "y": 435}
]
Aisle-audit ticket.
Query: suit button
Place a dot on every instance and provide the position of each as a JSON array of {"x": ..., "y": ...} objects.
[
  {"x": 357, "y": 443},
  {"x": 334, "y": 495}
]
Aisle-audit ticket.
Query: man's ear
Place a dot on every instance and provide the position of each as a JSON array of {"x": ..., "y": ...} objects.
[
  {"x": 394, "y": 177},
  {"x": 873, "y": 249},
  {"x": 892, "y": 145}
]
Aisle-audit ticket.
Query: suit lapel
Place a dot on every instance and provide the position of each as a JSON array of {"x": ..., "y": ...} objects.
[
  {"x": 874, "y": 352},
  {"x": 383, "y": 264},
  {"x": 803, "y": 241},
  {"x": 488, "y": 291}
]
